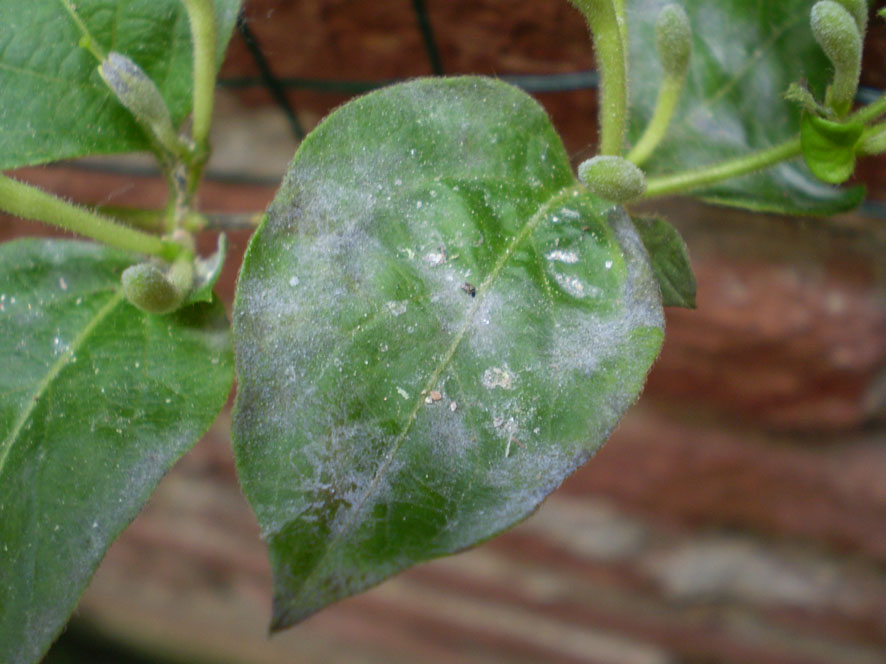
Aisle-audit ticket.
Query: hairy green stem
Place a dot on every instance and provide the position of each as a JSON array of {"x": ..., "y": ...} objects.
[
  {"x": 153, "y": 221},
  {"x": 707, "y": 175},
  {"x": 609, "y": 49},
  {"x": 668, "y": 97},
  {"x": 622, "y": 18},
  {"x": 29, "y": 202},
  {"x": 870, "y": 112},
  {"x": 204, "y": 33}
]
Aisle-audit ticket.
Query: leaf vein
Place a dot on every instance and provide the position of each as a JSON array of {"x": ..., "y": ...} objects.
[{"x": 56, "y": 368}]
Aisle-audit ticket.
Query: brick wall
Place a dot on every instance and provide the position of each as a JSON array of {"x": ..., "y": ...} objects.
[{"x": 737, "y": 515}]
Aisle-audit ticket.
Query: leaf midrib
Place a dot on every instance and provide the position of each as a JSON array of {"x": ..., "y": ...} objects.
[
  {"x": 54, "y": 370},
  {"x": 482, "y": 289},
  {"x": 755, "y": 56}
]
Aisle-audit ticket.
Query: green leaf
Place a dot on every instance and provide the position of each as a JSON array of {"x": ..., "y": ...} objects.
[
  {"x": 207, "y": 271},
  {"x": 670, "y": 261},
  {"x": 99, "y": 400},
  {"x": 829, "y": 147},
  {"x": 434, "y": 326},
  {"x": 53, "y": 103},
  {"x": 745, "y": 55}
]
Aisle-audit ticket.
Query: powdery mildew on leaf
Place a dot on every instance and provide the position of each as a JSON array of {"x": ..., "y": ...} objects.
[
  {"x": 99, "y": 399},
  {"x": 435, "y": 326}
]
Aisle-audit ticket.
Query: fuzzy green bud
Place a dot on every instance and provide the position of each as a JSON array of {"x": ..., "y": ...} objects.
[
  {"x": 612, "y": 178},
  {"x": 673, "y": 40},
  {"x": 141, "y": 97},
  {"x": 148, "y": 288},
  {"x": 859, "y": 11},
  {"x": 837, "y": 33}
]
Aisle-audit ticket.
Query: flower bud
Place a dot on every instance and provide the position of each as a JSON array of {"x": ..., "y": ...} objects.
[
  {"x": 837, "y": 33},
  {"x": 612, "y": 178},
  {"x": 146, "y": 287},
  {"x": 859, "y": 11},
  {"x": 141, "y": 97},
  {"x": 673, "y": 40}
]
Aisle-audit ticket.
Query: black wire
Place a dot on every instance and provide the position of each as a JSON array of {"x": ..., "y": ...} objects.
[
  {"x": 567, "y": 82},
  {"x": 427, "y": 35},
  {"x": 268, "y": 79}
]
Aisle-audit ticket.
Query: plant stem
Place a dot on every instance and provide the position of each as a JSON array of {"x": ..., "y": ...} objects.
[
  {"x": 29, "y": 202},
  {"x": 609, "y": 48},
  {"x": 86, "y": 40},
  {"x": 668, "y": 96},
  {"x": 204, "y": 36},
  {"x": 870, "y": 112},
  {"x": 700, "y": 177},
  {"x": 153, "y": 221},
  {"x": 622, "y": 19}
]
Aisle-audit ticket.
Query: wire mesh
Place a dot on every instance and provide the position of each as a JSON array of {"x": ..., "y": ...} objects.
[{"x": 279, "y": 87}]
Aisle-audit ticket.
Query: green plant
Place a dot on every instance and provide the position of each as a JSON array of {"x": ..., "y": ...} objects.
[{"x": 435, "y": 322}]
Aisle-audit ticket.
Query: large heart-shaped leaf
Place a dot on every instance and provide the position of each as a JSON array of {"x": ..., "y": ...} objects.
[
  {"x": 745, "y": 55},
  {"x": 434, "y": 326},
  {"x": 53, "y": 103},
  {"x": 98, "y": 400}
]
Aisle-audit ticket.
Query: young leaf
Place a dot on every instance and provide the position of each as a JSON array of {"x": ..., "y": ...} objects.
[
  {"x": 745, "y": 55},
  {"x": 99, "y": 400},
  {"x": 670, "y": 261},
  {"x": 829, "y": 147},
  {"x": 53, "y": 102},
  {"x": 434, "y": 327},
  {"x": 207, "y": 271}
]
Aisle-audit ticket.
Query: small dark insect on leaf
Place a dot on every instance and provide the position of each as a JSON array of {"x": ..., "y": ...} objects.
[{"x": 469, "y": 288}]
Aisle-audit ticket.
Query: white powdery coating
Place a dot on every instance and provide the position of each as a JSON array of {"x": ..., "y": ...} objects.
[
  {"x": 575, "y": 286},
  {"x": 498, "y": 377},
  {"x": 356, "y": 463},
  {"x": 397, "y": 307},
  {"x": 446, "y": 434},
  {"x": 584, "y": 343},
  {"x": 563, "y": 256},
  {"x": 498, "y": 316}
]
